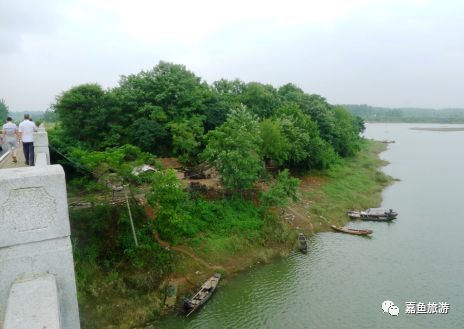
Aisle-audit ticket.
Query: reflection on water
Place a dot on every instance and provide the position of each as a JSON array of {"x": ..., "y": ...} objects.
[{"x": 343, "y": 279}]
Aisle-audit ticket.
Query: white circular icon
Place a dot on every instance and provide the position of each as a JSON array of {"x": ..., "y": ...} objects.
[{"x": 386, "y": 305}]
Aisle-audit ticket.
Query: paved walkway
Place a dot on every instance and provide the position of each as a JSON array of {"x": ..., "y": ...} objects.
[{"x": 8, "y": 161}]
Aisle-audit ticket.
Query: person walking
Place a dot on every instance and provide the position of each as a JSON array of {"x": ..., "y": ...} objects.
[
  {"x": 10, "y": 137},
  {"x": 26, "y": 134}
]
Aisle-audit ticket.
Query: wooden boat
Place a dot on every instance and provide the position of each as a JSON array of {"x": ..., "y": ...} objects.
[
  {"x": 373, "y": 214},
  {"x": 351, "y": 230},
  {"x": 202, "y": 296},
  {"x": 303, "y": 243}
]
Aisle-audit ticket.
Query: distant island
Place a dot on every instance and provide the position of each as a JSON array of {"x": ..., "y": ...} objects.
[{"x": 405, "y": 114}]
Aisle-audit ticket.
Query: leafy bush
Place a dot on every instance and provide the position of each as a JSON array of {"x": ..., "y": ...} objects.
[
  {"x": 170, "y": 202},
  {"x": 119, "y": 160},
  {"x": 283, "y": 189},
  {"x": 103, "y": 245}
]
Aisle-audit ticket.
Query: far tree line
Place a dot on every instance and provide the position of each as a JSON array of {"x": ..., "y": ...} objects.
[{"x": 407, "y": 114}]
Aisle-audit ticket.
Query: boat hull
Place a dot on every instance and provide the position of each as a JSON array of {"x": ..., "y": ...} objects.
[
  {"x": 303, "y": 243},
  {"x": 373, "y": 214},
  {"x": 202, "y": 296},
  {"x": 351, "y": 231}
]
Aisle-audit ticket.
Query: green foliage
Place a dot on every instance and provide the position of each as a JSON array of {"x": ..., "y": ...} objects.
[
  {"x": 168, "y": 110},
  {"x": 233, "y": 148},
  {"x": 103, "y": 246},
  {"x": 170, "y": 202},
  {"x": 150, "y": 136},
  {"x": 85, "y": 184},
  {"x": 231, "y": 216},
  {"x": 346, "y": 139},
  {"x": 283, "y": 189},
  {"x": 119, "y": 160},
  {"x": 307, "y": 150},
  {"x": 161, "y": 101},
  {"x": 260, "y": 99},
  {"x": 166, "y": 191},
  {"x": 275, "y": 146},
  {"x": 178, "y": 216},
  {"x": 83, "y": 112},
  {"x": 3, "y": 110},
  {"x": 187, "y": 136}
]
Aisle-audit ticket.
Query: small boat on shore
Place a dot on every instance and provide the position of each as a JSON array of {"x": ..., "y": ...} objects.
[
  {"x": 373, "y": 214},
  {"x": 303, "y": 243},
  {"x": 202, "y": 296},
  {"x": 351, "y": 230}
]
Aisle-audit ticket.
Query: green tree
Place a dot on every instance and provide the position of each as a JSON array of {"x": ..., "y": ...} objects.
[
  {"x": 233, "y": 148},
  {"x": 3, "y": 110},
  {"x": 162, "y": 99},
  {"x": 346, "y": 137},
  {"x": 261, "y": 99},
  {"x": 275, "y": 146},
  {"x": 226, "y": 95},
  {"x": 83, "y": 113},
  {"x": 307, "y": 149},
  {"x": 187, "y": 136},
  {"x": 171, "y": 204},
  {"x": 150, "y": 135}
]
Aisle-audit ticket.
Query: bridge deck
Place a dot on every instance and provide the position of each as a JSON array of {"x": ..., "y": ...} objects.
[{"x": 7, "y": 162}]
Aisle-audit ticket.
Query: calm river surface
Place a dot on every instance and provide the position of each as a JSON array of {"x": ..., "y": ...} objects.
[{"x": 343, "y": 279}]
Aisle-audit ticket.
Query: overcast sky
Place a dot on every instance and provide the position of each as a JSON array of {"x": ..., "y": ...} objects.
[{"x": 385, "y": 53}]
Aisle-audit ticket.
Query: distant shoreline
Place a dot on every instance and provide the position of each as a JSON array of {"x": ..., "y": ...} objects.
[{"x": 443, "y": 129}]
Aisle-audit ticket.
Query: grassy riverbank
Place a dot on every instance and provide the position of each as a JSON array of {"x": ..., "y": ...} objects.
[
  {"x": 355, "y": 183},
  {"x": 114, "y": 294}
]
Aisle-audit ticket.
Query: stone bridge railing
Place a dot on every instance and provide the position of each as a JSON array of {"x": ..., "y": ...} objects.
[{"x": 37, "y": 282}]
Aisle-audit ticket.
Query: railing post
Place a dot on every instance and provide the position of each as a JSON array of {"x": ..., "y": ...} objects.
[{"x": 41, "y": 146}]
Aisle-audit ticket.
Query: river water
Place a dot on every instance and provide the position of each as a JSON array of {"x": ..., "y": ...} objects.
[{"x": 343, "y": 280}]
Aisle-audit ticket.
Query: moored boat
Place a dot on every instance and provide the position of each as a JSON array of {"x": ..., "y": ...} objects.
[
  {"x": 202, "y": 296},
  {"x": 351, "y": 230},
  {"x": 373, "y": 214},
  {"x": 303, "y": 243}
]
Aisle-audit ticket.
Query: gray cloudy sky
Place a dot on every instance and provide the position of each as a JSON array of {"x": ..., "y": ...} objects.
[{"x": 386, "y": 53}]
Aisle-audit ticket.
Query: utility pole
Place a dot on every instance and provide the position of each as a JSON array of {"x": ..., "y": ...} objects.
[{"x": 130, "y": 216}]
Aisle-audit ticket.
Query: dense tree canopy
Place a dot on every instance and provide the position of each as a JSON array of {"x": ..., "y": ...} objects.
[
  {"x": 233, "y": 148},
  {"x": 83, "y": 111},
  {"x": 237, "y": 126}
]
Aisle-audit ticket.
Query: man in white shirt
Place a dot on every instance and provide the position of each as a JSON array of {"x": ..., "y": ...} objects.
[
  {"x": 10, "y": 136},
  {"x": 26, "y": 133}
]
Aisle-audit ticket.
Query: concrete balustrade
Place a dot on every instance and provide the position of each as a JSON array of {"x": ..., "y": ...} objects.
[
  {"x": 33, "y": 303},
  {"x": 37, "y": 281},
  {"x": 41, "y": 144}
]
